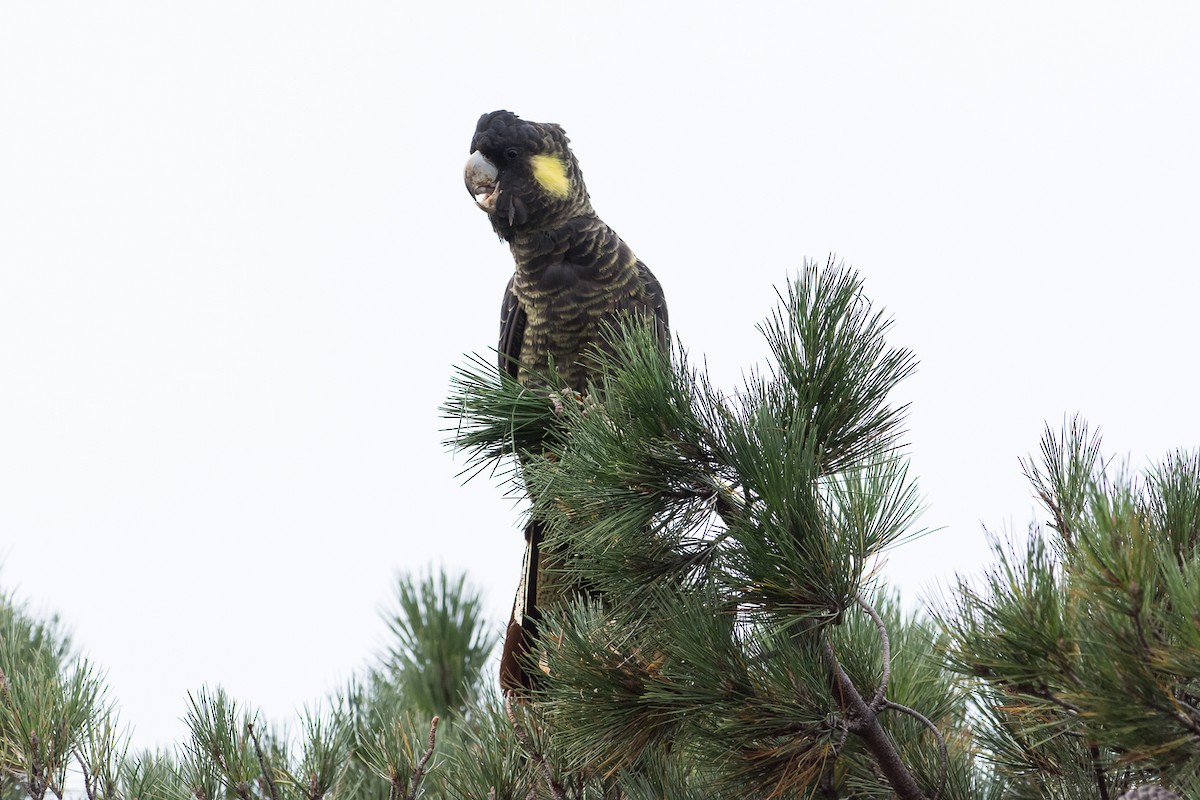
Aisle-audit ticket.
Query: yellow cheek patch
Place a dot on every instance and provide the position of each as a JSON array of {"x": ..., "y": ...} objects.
[{"x": 551, "y": 174}]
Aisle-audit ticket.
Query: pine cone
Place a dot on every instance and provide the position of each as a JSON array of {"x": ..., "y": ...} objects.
[{"x": 1149, "y": 793}]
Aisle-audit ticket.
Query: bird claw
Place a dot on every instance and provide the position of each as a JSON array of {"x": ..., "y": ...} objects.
[
  {"x": 590, "y": 404},
  {"x": 559, "y": 398}
]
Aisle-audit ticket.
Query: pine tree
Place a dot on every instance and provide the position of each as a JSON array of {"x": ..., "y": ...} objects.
[
  {"x": 375, "y": 740},
  {"x": 728, "y": 636},
  {"x": 727, "y": 631},
  {"x": 51, "y": 707},
  {"x": 1083, "y": 645}
]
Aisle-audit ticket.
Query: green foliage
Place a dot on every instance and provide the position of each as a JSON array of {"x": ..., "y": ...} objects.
[
  {"x": 919, "y": 679},
  {"x": 834, "y": 370},
  {"x": 484, "y": 759},
  {"x": 220, "y": 745},
  {"x": 28, "y": 637},
  {"x": 392, "y": 747},
  {"x": 154, "y": 776},
  {"x": 724, "y": 540},
  {"x": 439, "y": 644},
  {"x": 496, "y": 416},
  {"x": 1084, "y": 643},
  {"x": 806, "y": 485},
  {"x": 327, "y": 745},
  {"x": 728, "y": 638},
  {"x": 47, "y": 707},
  {"x": 102, "y": 756},
  {"x": 374, "y": 741}
]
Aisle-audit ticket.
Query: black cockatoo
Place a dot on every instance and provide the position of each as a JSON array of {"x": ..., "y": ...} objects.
[{"x": 574, "y": 276}]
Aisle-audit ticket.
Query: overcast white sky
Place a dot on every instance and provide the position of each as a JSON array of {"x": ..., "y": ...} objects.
[{"x": 237, "y": 266}]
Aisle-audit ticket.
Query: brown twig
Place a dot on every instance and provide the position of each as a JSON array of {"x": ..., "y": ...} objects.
[
  {"x": 37, "y": 783},
  {"x": 880, "y": 698},
  {"x": 262, "y": 762},
  {"x": 552, "y": 783},
  {"x": 88, "y": 784},
  {"x": 943, "y": 754},
  {"x": 863, "y": 721},
  {"x": 419, "y": 771}
]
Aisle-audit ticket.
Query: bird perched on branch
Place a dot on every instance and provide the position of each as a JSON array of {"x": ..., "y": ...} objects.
[{"x": 574, "y": 276}]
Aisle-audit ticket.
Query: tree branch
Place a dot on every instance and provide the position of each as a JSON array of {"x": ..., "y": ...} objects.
[
  {"x": 552, "y": 783},
  {"x": 419, "y": 771},
  {"x": 864, "y": 722},
  {"x": 37, "y": 783},
  {"x": 880, "y": 698},
  {"x": 88, "y": 784},
  {"x": 262, "y": 762},
  {"x": 941, "y": 740}
]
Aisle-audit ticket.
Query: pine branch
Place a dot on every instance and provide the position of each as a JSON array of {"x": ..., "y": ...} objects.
[
  {"x": 419, "y": 771},
  {"x": 1063, "y": 478},
  {"x": 941, "y": 740},
  {"x": 552, "y": 783},
  {"x": 880, "y": 698},
  {"x": 89, "y": 787},
  {"x": 862, "y": 721},
  {"x": 262, "y": 762}
]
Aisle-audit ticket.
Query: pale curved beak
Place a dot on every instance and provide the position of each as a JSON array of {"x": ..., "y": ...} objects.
[{"x": 481, "y": 177}]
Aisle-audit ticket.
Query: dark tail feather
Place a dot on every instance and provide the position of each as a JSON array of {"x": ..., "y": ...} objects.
[{"x": 517, "y": 673}]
